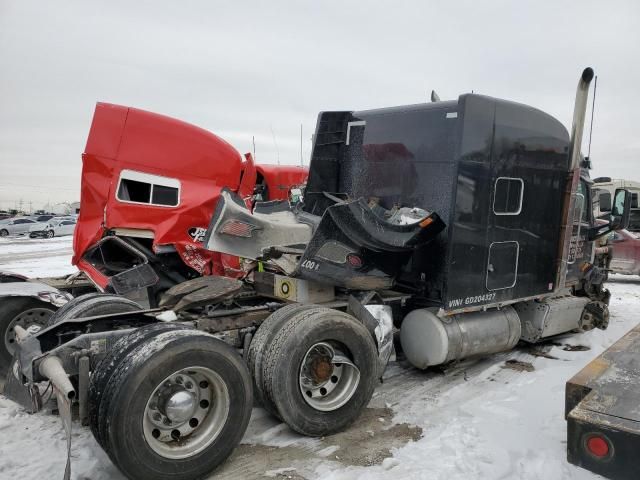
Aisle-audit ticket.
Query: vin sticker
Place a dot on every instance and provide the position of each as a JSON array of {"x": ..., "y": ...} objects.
[{"x": 484, "y": 298}]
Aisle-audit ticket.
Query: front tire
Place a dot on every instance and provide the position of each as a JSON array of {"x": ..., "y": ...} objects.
[
  {"x": 176, "y": 407},
  {"x": 4, "y": 233},
  {"x": 50, "y": 234},
  {"x": 320, "y": 371}
]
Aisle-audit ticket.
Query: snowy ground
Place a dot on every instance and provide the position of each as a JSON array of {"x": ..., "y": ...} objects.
[{"x": 484, "y": 419}]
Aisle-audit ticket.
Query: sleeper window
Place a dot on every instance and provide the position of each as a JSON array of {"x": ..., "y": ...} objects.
[
  {"x": 138, "y": 187},
  {"x": 507, "y": 196},
  {"x": 133, "y": 191}
]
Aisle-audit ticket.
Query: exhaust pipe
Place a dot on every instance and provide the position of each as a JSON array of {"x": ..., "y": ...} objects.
[
  {"x": 573, "y": 178},
  {"x": 579, "y": 114},
  {"x": 51, "y": 368}
]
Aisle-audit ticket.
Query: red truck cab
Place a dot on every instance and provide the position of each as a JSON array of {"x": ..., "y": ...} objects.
[{"x": 150, "y": 184}]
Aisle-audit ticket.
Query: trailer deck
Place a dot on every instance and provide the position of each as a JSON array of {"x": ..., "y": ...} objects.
[{"x": 603, "y": 411}]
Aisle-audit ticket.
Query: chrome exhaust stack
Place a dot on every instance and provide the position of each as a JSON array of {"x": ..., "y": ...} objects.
[
  {"x": 579, "y": 115},
  {"x": 573, "y": 178}
]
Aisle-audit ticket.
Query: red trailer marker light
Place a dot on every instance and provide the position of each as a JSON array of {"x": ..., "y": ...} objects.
[
  {"x": 354, "y": 260},
  {"x": 597, "y": 446}
]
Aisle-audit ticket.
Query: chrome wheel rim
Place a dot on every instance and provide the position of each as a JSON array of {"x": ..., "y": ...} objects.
[
  {"x": 328, "y": 378},
  {"x": 186, "y": 412},
  {"x": 34, "y": 318}
]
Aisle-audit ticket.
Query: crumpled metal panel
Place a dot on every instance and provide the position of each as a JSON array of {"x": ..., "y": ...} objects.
[{"x": 265, "y": 230}]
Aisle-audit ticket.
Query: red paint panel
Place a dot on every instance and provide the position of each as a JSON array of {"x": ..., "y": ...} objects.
[
  {"x": 106, "y": 130},
  {"x": 280, "y": 178}
]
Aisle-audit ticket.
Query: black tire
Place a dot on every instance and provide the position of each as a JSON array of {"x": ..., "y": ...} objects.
[
  {"x": 131, "y": 386},
  {"x": 10, "y": 309},
  {"x": 261, "y": 342},
  {"x": 92, "y": 304},
  {"x": 283, "y": 360},
  {"x": 49, "y": 234},
  {"x": 4, "y": 233},
  {"x": 110, "y": 363}
]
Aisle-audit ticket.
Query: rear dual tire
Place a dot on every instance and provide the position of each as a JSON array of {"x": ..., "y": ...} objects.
[
  {"x": 317, "y": 371},
  {"x": 171, "y": 404}
]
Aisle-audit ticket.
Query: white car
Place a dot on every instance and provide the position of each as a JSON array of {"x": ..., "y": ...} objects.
[
  {"x": 15, "y": 226},
  {"x": 56, "y": 227}
]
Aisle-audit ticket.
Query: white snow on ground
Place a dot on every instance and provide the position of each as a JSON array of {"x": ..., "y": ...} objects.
[
  {"x": 25, "y": 256},
  {"x": 479, "y": 420}
]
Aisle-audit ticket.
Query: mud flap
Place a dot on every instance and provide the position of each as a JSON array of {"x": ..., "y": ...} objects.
[
  {"x": 379, "y": 321},
  {"x": 26, "y": 395}
]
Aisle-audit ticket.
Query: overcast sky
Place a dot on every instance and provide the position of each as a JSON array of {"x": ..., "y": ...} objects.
[{"x": 243, "y": 69}]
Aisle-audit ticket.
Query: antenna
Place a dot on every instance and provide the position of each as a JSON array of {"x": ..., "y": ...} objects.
[
  {"x": 253, "y": 139},
  {"x": 301, "y": 161},
  {"x": 593, "y": 108},
  {"x": 275, "y": 143}
]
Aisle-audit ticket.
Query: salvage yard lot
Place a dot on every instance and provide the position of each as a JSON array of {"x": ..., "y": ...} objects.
[{"x": 497, "y": 417}]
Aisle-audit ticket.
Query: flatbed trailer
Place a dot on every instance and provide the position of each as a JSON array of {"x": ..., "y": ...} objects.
[{"x": 602, "y": 407}]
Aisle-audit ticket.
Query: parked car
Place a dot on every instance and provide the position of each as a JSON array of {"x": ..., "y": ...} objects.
[
  {"x": 42, "y": 218},
  {"x": 15, "y": 226},
  {"x": 626, "y": 253},
  {"x": 55, "y": 227}
]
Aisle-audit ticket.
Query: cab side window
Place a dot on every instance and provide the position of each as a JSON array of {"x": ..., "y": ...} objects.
[
  {"x": 581, "y": 203},
  {"x": 507, "y": 196}
]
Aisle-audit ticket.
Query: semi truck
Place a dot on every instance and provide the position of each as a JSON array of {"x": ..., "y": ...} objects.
[
  {"x": 462, "y": 227},
  {"x": 149, "y": 185}
]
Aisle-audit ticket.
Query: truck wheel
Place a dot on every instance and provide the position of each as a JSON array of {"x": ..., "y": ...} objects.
[
  {"x": 93, "y": 304},
  {"x": 110, "y": 363},
  {"x": 25, "y": 312},
  {"x": 261, "y": 342},
  {"x": 320, "y": 371},
  {"x": 176, "y": 407}
]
